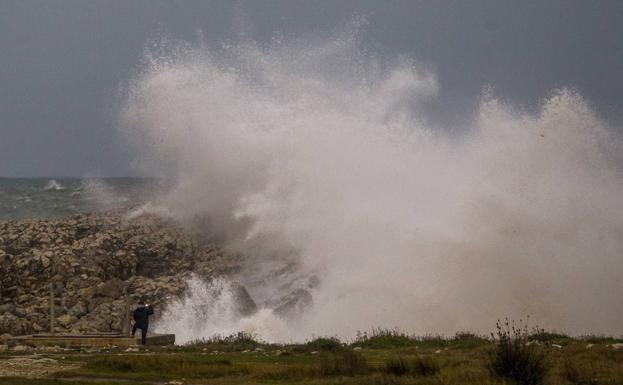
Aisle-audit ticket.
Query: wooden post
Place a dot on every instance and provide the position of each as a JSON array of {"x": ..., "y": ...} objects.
[{"x": 51, "y": 308}]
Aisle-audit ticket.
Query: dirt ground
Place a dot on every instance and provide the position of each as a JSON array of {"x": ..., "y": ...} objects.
[{"x": 32, "y": 366}]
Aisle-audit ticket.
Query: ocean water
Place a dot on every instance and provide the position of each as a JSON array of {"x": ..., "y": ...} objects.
[{"x": 22, "y": 198}]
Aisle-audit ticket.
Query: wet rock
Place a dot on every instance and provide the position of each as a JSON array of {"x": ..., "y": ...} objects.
[
  {"x": 246, "y": 305},
  {"x": 294, "y": 304}
]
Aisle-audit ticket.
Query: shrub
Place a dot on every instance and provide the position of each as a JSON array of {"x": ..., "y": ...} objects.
[
  {"x": 384, "y": 338},
  {"x": 468, "y": 340},
  {"x": 324, "y": 343},
  {"x": 425, "y": 366},
  {"x": 234, "y": 342},
  {"x": 548, "y": 337},
  {"x": 343, "y": 362},
  {"x": 600, "y": 339},
  {"x": 465, "y": 336},
  {"x": 396, "y": 366},
  {"x": 433, "y": 341},
  {"x": 514, "y": 358},
  {"x": 418, "y": 366}
]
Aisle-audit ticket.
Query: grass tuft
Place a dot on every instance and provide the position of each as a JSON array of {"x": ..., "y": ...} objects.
[
  {"x": 424, "y": 366},
  {"x": 384, "y": 338},
  {"x": 231, "y": 343},
  {"x": 165, "y": 365},
  {"x": 343, "y": 362},
  {"x": 397, "y": 366},
  {"x": 548, "y": 337},
  {"x": 418, "y": 366},
  {"x": 324, "y": 343},
  {"x": 514, "y": 358},
  {"x": 600, "y": 339},
  {"x": 575, "y": 373}
]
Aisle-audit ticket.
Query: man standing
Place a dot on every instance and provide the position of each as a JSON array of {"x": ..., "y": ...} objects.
[{"x": 141, "y": 320}]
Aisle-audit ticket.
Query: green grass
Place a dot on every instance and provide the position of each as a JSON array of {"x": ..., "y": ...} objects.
[
  {"x": 57, "y": 381},
  {"x": 236, "y": 342},
  {"x": 324, "y": 343},
  {"x": 343, "y": 363},
  {"x": 600, "y": 339},
  {"x": 167, "y": 365},
  {"x": 382, "y": 357},
  {"x": 417, "y": 366},
  {"x": 391, "y": 338},
  {"x": 384, "y": 338},
  {"x": 455, "y": 364}
]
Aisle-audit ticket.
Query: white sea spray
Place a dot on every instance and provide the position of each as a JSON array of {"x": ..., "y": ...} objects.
[{"x": 318, "y": 148}]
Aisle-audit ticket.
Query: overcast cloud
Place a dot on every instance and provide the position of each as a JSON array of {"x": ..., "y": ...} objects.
[{"x": 62, "y": 62}]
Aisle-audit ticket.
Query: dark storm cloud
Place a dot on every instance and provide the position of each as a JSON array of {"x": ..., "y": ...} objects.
[{"x": 62, "y": 62}]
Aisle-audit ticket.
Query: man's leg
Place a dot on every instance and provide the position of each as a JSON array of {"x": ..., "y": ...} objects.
[
  {"x": 134, "y": 329},
  {"x": 144, "y": 335}
]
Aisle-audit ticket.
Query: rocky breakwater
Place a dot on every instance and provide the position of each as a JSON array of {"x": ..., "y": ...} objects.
[{"x": 88, "y": 261}]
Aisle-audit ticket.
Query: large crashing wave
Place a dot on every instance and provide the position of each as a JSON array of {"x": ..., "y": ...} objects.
[
  {"x": 317, "y": 147},
  {"x": 209, "y": 309}
]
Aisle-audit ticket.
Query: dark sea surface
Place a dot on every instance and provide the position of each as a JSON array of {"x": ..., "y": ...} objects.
[{"x": 22, "y": 198}]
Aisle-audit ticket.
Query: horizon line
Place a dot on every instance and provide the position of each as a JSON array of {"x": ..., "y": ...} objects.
[{"x": 78, "y": 177}]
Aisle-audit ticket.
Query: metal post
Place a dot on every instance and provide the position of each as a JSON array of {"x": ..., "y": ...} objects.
[
  {"x": 126, "y": 313},
  {"x": 52, "y": 308}
]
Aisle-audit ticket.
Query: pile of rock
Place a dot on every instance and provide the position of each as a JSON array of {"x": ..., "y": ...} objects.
[{"x": 89, "y": 261}]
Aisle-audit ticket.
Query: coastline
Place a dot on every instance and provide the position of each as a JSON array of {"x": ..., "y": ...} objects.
[{"x": 91, "y": 260}]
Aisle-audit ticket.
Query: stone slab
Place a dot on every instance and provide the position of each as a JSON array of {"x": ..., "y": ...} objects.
[{"x": 91, "y": 340}]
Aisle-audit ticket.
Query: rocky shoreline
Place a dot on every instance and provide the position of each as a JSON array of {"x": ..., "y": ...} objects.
[{"x": 89, "y": 261}]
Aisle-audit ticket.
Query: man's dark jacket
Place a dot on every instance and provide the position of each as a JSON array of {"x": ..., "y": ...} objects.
[{"x": 141, "y": 315}]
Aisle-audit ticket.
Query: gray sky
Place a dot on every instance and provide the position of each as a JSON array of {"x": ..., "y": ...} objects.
[{"x": 62, "y": 62}]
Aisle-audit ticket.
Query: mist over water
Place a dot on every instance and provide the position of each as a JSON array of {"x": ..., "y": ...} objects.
[{"x": 318, "y": 153}]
